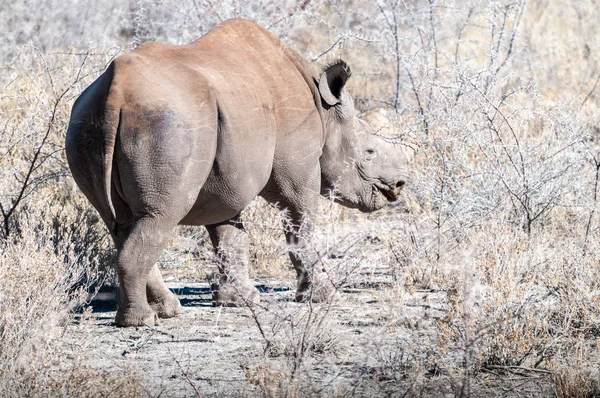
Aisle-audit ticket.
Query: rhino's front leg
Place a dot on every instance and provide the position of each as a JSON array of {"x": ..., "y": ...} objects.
[
  {"x": 298, "y": 196},
  {"x": 232, "y": 246},
  {"x": 312, "y": 281}
]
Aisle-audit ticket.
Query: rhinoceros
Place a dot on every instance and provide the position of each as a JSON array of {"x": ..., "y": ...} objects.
[{"x": 192, "y": 134}]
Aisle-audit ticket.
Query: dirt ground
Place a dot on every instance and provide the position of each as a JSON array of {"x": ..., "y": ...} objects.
[{"x": 354, "y": 346}]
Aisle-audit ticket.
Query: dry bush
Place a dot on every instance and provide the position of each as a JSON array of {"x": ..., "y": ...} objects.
[
  {"x": 268, "y": 251},
  {"x": 51, "y": 242},
  {"x": 43, "y": 278},
  {"x": 505, "y": 182},
  {"x": 83, "y": 381},
  {"x": 576, "y": 382}
]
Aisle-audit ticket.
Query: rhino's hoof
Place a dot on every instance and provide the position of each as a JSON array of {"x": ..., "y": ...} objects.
[
  {"x": 318, "y": 292},
  {"x": 228, "y": 295},
  {"x": 166, "y": 306},
  {"x": 136, "y": 317},
  {"x": 302, "y": 297}
]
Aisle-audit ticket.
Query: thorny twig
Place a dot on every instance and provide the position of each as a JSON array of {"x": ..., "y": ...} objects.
[
  {"x": 340, "y": 41},
  {"x": 393, "y": 26},
  {"x": 591, "y": 91},
  {"x": 187, "y": 377},
  {"x": 38, "y": 160},
  {"x": 595, "y": 198}
]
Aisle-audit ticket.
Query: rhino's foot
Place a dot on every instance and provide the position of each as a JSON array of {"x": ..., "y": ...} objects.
[
  {"x": 230, "y": 295},
  {"x": 166, "y": 306},
  {"x": 136, "y": 317},
  {"x": 321, "y": 290}
]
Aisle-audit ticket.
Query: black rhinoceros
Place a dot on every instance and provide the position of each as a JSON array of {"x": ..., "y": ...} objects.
[{"x": 191, "y": 134}]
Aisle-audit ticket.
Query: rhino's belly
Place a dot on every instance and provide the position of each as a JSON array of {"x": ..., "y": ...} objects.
[
  {"x": 207, "y": 212},
  {"x": 223, "y": 197}
]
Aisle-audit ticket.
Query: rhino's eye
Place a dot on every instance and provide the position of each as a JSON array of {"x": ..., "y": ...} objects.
[{"x": 369, "y": 154}]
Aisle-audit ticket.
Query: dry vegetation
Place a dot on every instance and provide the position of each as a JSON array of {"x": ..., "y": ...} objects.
[{"x": 499, "y": 223}]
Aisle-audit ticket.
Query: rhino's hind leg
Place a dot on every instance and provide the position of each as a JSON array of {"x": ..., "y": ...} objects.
[
  {"x": 135, "y": 268},
  {"x": 161, "y": 300},
  {"x": 234, "y": 288}
]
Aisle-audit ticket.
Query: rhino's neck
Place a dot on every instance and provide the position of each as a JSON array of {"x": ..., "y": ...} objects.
[{"x": 337, "y": 162}]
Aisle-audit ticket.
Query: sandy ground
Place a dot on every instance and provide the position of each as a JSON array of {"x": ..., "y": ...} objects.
[{"x": 357, "y": 347}]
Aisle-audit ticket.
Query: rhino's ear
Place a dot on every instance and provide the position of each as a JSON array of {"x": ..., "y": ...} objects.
[{"x": 332, "y": 81}]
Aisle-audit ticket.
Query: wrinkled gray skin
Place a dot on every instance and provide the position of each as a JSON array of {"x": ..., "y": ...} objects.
[{"x": 192, "y": 134}]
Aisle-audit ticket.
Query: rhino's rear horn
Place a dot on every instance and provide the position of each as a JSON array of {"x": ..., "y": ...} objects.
[{"x": 332, "y": 81}]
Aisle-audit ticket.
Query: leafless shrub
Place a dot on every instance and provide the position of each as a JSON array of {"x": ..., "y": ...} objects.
[
  {"x": 273, "y": 383},
  {"x": 51, "y": 243},
  {"x": 83, "y": 381},
  {"x": 268, "y": 249},
  {"x": 40, "y": 284},
  {"x": 574, "y": 382}
]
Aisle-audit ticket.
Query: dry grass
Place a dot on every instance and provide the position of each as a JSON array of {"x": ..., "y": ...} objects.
[
  {"x": 44, "y": 276},
  {"x": 575, "y": 382}
]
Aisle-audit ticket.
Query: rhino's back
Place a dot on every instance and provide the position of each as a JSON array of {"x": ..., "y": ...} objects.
[
  {"x": 249, "y": 64},
  {"x": 260, "y": 92},
  {"x": 256, "y": 78}
]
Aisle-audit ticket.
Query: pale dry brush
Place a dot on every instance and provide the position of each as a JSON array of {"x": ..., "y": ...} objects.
[
  {"x": 505, "y": 165},
  {"x": 576, "y": 381},
  {"x": 51, "y": 244}
]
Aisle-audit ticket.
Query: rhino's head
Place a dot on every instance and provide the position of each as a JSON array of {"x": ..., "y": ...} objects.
[{"x": 359, "y": 168}]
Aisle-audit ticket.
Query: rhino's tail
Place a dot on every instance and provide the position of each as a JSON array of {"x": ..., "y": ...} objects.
[
  {"x": 109, "y": 150},
  {"x": 111, "y": 125}
]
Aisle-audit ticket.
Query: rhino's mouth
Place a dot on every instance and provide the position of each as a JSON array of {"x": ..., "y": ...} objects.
[{"x": 391, "y": 194}]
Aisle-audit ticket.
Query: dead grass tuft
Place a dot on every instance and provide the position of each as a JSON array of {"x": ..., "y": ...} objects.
[{"x": 576, "y": 382}]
